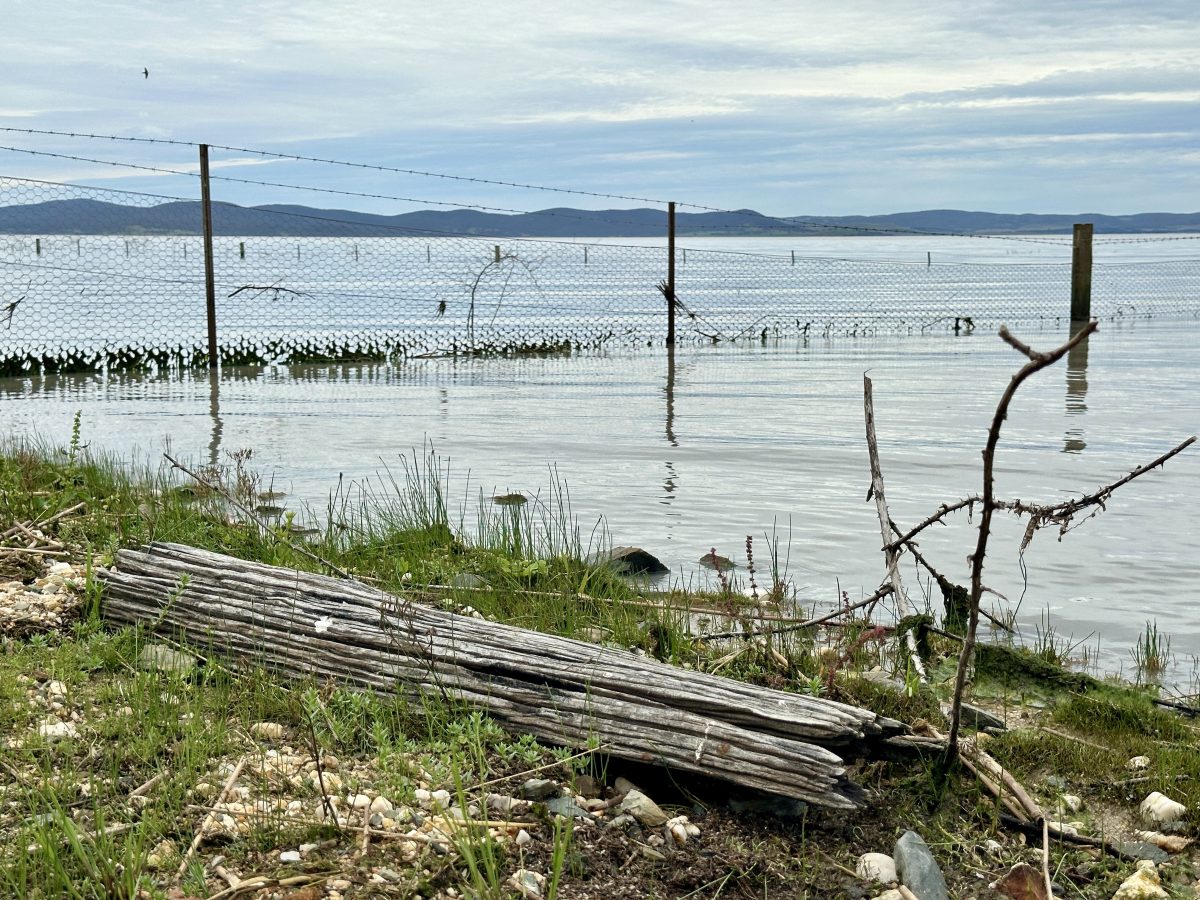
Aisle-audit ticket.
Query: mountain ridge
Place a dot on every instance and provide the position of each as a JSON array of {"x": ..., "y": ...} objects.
[{"x": 87, "y": 216}]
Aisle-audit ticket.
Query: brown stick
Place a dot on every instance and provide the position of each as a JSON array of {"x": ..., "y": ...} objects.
[
  {"x": 1037, "y": 362},
  {"x": 800, "y": 626}
]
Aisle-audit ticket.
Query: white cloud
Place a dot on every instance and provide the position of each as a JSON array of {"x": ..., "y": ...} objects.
[{"x": 684, "y": 98}]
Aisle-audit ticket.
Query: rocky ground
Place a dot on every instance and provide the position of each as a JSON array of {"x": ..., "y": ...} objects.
[{"x": 278, "y": 813}]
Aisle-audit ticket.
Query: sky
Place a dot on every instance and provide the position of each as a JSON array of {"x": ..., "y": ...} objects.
[{"x": 789, "y": 108}]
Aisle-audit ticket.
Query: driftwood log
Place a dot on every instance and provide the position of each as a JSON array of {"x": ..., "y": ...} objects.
[{"x": 561, "y": 690}]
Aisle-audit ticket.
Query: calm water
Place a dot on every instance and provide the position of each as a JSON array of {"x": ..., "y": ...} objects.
[{"x": 731, "y": 441}]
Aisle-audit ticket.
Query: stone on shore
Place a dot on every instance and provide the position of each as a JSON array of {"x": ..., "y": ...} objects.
[{"x": 917, "y": 868}]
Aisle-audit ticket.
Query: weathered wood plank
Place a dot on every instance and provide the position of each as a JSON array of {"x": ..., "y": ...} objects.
[{"x": 559, "y": 689}]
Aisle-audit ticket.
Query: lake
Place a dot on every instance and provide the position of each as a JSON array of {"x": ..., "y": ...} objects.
[{"x": 680, "y": 456}]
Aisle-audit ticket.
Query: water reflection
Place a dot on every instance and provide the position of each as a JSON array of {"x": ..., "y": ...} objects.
[
  {"x": 214, "y": 413},
  {"x": 669, "y": 392},
  {"x": 1077, "y": 362}
]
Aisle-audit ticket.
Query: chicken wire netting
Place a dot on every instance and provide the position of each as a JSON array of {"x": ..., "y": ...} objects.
[{"x": 92, "y": 276}]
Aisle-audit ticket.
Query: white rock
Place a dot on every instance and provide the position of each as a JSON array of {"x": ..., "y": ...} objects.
[
  {"x": 54, "y": 730},
  {"x": 1144, "y": 884},
  {"x": 893, "y": 894},
  {"x": 270, "y": 731},
  {"x": 56, "y": 689},
  {"x": 1172, "y": 843},
  {"x": 527, "y": 883},
  {"x": 876, "y": 867},
  {"x": 290, "y": 856},
  {"x": 1160, "y": 809},
  {"x": 1139, "y": 762},
  {"x": 358, "y": 801},
  {"x": 1072, "y": 803},
  {"x": 441, "y": 798},
  {"x": 523, "y": 837},
  {"x": 381, "y": 805},
  {"x": 62, "y": 568}
]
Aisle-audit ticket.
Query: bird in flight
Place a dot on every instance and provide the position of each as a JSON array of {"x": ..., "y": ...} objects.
[{"x": 146, "y": 73}]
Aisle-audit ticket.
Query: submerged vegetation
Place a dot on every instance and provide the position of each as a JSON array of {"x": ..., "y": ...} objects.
[{"x": 107, "y": 803}]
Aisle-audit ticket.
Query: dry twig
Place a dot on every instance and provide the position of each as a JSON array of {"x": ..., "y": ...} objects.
[{"x": 891, "y": 555}]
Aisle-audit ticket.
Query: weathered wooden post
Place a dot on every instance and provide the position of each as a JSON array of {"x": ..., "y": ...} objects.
[
  {"x": 497, "y": 253},
  {"x": 37, "y": 246},
  {"x": 242, "y": 249},
  {"x": 671, "y": 274},
  {"x": 210, "y": 290},
  {"x": 1081, "y": 273}
]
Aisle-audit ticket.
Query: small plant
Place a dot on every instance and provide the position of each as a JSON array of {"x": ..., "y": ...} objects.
[
  {"x": 1152, "y": 652},
  {"x": 750, "y": 567}
]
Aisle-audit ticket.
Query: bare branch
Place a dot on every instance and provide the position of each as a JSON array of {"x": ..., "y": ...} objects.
[
  {"x": 1037, "y": 362},
  {"x": 799, "y": 626},
  {"x": 891, "y": 556}
]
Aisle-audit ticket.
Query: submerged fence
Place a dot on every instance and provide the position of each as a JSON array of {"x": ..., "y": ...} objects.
[{"x": 92, "y": 276}]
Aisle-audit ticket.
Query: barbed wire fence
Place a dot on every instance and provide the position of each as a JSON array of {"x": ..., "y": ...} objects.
[{"x": 93, "y": 276}]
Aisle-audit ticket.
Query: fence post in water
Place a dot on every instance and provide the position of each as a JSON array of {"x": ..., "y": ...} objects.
[
  {"x": 210, "y": 291},
  {"x": 242, "y": 249},
  {"x": 497, "y": 253},
  {"x": 1081, "y": 273},
  {"x": 37, "y": 246},
  {"x": 671, "y": 274}
]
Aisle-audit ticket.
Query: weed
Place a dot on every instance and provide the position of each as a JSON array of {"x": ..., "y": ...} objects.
[{"x": 1152, "y": 652}]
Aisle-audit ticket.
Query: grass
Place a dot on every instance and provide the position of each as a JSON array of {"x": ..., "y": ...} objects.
[{"x": 404, "y": 531}]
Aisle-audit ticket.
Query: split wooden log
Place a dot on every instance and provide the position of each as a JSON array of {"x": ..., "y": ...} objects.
[{"x": 565, "y": 691}]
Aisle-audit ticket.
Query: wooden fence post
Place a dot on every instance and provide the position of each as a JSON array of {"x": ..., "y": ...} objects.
[
  {"x": 671, "y": 274},
  {"x": 210, "y": 290},
  {"x": 1081, "y": 273}
]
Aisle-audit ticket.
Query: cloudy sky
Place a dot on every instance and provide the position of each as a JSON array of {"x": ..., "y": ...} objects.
[{"x": 791, "y": 108}]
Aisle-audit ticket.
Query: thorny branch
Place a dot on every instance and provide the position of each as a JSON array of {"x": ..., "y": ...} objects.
[
  {"x": 273, "y": 289},
  {"x": 1037, "y": 362}
]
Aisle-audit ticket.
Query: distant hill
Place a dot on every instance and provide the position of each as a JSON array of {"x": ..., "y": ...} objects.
[{"x": 95, "y": 217}]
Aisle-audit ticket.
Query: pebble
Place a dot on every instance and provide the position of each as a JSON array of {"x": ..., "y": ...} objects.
[
  {"x": 270, "y": 731},
  {"x": 1159, "y": 809},
  {"x": 161, "y": 658},
  {"x": 290, "y": 856},
  {"x": 917, "y": 868},
  {"x": 381, "y": 805},
  {"x": 527, "y": 883},
  {"x": 1143, "y": 884},
  {"x": 54, "y": 730},
  {"x": 643, "y": 809},
  {"x": 539, "y": 789},
  {"x": 876, "y": 867},
  {"x": 1172, "y": 843},
  {"x": 1021, "y": 882},
  {"x": 1138, "y": 763}
]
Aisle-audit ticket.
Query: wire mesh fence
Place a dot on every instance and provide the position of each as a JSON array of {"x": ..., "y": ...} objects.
[{"x": 92, "y": 276}]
